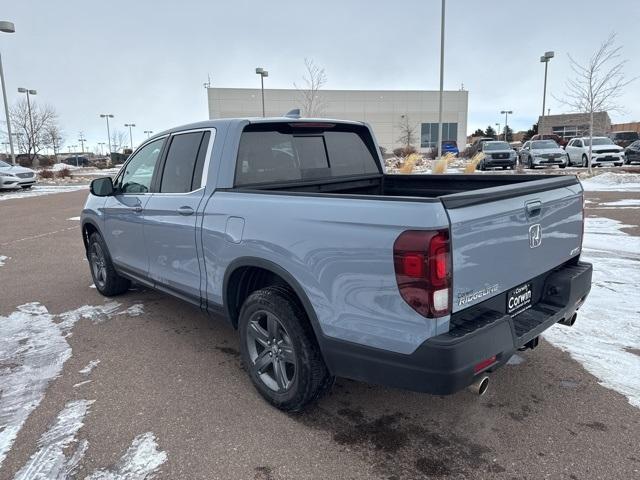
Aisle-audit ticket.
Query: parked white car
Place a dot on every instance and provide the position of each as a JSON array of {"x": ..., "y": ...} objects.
[
  {"x": 542, "y": 153},
  {"x": 603, "y": 152},
  {"x": 15, "y": 176}
]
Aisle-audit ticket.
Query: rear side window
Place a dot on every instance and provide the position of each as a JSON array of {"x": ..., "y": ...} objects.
[
  {"x": 185, "y": 160},
  {"x": 281, "y": 153}
]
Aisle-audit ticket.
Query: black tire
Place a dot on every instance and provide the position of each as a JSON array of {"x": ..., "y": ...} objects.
[
  {"x": 26, "y": 187},
  {"x": 303, "y": 373},
  {"x": 504, "y": 168},
  {"x": 512, "y": 167},
  {"x": 562, "y": 166},
  {"x": 482, "y": 166},
  {"x": 105, "y": 277},
  {"x": 530, "y": 162},
  {"x": 585, "y": 162}
]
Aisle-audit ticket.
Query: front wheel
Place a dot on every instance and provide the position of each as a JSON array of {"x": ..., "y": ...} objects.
[
  {"x": 105, "y": 277},
  {"x": 531, "y": 165},
  {"x": 25, "y": 187},
  {"x": 280, "y": 351},
  {"x": 585, "y": 161},
  {"x": 562, "y": 166}
]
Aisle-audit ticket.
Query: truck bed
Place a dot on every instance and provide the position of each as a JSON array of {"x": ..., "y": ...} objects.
[{"x": 455, "y": 190}]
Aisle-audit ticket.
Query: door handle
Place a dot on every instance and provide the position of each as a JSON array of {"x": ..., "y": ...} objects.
[
  {"x": 533, "y": 208},
  {"x": 136, "y": 209},
  {"x": 185, "y": 210}
]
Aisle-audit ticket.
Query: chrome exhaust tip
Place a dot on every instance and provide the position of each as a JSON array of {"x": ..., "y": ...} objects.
[
  {"x": 569, "y": 321},
  {"x": 480, "y": 386}
]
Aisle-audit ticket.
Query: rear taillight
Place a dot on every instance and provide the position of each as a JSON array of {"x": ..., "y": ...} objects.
[
  {"x": 582, "y": 237},
  {"x": 422, "y": 261}
]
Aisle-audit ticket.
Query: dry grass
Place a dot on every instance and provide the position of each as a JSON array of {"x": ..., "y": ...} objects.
[
  {"x": 64, "y": 173},
  {"x": 409, "y": 163},
  {"x": 46, "y": 174},
  {"x": 473, "y": 163}
]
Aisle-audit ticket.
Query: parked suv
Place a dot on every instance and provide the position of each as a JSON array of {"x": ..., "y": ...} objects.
[
  {"x": 291, "y": 230},
  {"x": 497, "y": 155},
  {"x": 542, "y": 153},
  {"x": 624, "y": 139},
  {"x": 632, "y": 153},
  {"x": 603, "y": 152}
]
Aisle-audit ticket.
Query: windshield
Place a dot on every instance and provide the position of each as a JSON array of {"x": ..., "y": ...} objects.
[
  {"x": 599, "y": 141},
  {"x": 496, "y": 146},
  {"x": 4, "y": 164},
  {"x": 540, "y": 144}
]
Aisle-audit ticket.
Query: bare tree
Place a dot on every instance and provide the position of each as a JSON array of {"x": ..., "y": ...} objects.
[
  {"x": 31, "y": 126},
  {"x": 407, "y": 131},
  {"x": 54, "y": 138},
  {"x": 314, "y": 80},
  {"x": 118, "y": 139},
  {"x": 597, "y": 83}
]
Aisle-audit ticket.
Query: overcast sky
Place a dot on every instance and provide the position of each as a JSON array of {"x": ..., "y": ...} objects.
[{"x": 146, "y": 61}]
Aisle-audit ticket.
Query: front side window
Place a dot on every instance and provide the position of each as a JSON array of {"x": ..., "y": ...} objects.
[
  {"x": 185, "y": 160},
  {"x": 138, "y": 172}
]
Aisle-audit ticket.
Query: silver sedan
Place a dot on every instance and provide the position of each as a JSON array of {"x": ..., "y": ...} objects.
[{"x": 15, "y": 176}]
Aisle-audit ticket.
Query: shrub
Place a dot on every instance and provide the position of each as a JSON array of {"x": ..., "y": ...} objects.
[
  {"x": 46, "y": 161},
  {"x": 46, "y": 174},
  {"x": 404, "y": 151},
  {"x": 64, "y": 172}
]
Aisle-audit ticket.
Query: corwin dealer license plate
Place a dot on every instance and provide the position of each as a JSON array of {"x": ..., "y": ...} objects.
[{"x": 519, "y": 299}]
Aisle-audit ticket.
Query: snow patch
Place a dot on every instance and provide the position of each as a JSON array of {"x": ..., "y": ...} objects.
[
  {"x": 608, "y": 182},
  {"x": 75, "y": 219},
  {"x": 135, "y": 310},
  {"x": 141, "y": 460},
  {"x": 50, "y": 461},
  {"x": 3, "y": 258},
  {"x": 89, "y": 367},
  {"x": 608, "y": 326},
  {"x": 515, "y": 360},
  {"x": 40, "y": 190},
  {"x": 625, "y": 203},
  {"x": 33, "y": 349},
  {"x": 79, "y": 384}
]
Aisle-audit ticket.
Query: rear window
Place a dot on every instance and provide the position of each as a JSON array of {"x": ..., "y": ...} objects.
[
  {"x": 626, "y": 136},
  {"x": 183, "y": 167},
  {"x": 281, "y": 153}
]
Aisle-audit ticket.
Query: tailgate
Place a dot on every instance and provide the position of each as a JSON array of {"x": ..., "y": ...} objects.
[{"x": 504, "y": 236}]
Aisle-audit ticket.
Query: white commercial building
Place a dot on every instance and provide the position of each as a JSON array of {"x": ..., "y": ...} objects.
[{"x": 386, "y": 110}]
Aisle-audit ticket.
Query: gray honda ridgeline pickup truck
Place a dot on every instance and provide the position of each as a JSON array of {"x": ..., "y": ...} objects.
[{"x": 290, "y": 229}]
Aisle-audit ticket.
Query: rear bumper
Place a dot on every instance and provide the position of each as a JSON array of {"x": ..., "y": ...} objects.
[{"x": 446, "y": 363}]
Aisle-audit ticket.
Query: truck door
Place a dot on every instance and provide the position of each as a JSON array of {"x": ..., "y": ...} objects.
[
  {"x": 171, "y": 214},
  {"x": 123, "y": 211}
]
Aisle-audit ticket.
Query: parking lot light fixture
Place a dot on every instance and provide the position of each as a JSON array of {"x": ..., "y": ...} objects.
[
  {"x": 544, "y": 59},
  {"x": 7, "y": 27},
  {"x": 148, "y": 132},
  {"x": 130, "y": 125},
  {"x": 107, "y": 116},
  {"x": 263, "y": 73},
  {"x": 506, "y": 113},
  {"x": 29, "y": 92}
]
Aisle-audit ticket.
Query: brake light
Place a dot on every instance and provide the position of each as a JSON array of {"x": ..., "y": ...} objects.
[{"x": 422, "y": 261}]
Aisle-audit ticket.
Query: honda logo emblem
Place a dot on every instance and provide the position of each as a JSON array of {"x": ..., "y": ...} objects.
[{"x": 535, "y": 235}]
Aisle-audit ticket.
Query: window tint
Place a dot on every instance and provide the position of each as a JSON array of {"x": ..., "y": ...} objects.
[
  {"x": 138, "y": 173},
  {"x": 202, "y": 153},
  {"x": 179, "y": 167},
  {"x": 274, "y": 156}
]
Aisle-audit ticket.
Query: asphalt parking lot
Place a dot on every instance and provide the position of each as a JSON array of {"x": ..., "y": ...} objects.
[{"x": 168, "y": 371}]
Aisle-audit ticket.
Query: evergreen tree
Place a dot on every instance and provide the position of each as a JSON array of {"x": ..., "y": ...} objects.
[
  {"x": 490, "y": 132},
  {"x": 478, "y": 133},
  {"x": 509, "y": 133},
  {"x": 530, "y": 133}
]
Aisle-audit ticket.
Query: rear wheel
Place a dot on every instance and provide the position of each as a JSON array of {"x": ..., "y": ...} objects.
[
  {"x": 105, "y": 277},
  {"x": 280, "y": 351},
  {"x": 585, "y": 161}
]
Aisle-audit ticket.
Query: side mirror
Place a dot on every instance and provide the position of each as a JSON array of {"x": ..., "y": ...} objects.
[{"x": 102, "y": 187}]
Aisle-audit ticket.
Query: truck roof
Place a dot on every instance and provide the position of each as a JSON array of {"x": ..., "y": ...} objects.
[{"x": 219, "y": 122}]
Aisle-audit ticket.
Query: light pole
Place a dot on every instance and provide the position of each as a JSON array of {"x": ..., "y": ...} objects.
[
  {"x": 101, "y": 144},
  {"x": 263, "y": 73},
  {"x": 498, "y": 125},
  {"x": 439, "y": 150},
  {"x": 506, "y": 122},
  {"x": 7, "y": 27},
  {"x": 107, "y": 116},
  {"x": 82, "y": 140},
  {"x": 544, "y": 59},
  {"x": 148, "y": 132},
  {"x": 130, "y": 125},
  {"x": 29, "y": 92}
]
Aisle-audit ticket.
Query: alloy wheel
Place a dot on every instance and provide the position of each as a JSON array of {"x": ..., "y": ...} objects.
[
  {"x": 98, "y": 264},
  {"x": 271, "y": 351}
]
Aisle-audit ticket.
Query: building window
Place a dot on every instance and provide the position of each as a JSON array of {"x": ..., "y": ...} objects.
[
  {"x": 570, "y": 131},
  {"x": 429, "y": 134}
]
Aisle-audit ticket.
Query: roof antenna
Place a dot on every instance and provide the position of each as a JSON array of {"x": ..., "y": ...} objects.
[{"x": 295, "y": 113}]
